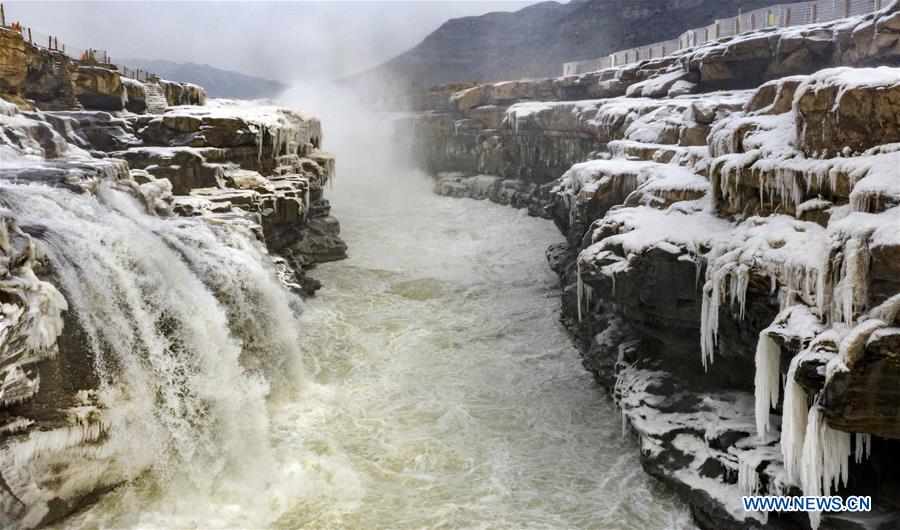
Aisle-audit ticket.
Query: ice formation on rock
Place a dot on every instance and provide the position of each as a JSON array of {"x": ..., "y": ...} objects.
[
  {"x": 163, "y": 294},
  {"x": 767, "y": 381},
  {"x": 781, "y": 198}
]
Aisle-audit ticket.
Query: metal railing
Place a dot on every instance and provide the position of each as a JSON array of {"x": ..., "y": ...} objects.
[
  {"x": 85, "y": 56},
  {"x": 781, "y": 15},
  {"x": 136, "y": 73}
]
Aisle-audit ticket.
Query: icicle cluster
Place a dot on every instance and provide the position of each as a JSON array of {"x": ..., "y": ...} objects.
[
  {"x": 767, "y": 381},
  {"x": 30, "y": 321},
  {"x": 724, "y": 274}
]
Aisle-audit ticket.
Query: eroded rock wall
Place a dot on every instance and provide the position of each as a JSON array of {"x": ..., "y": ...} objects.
[
  {"x": 534, "y": 129},
  {"x": 258, "y": 171},
  {"x": 38, "y": 78},
  {"x": 731, "y": 223}
]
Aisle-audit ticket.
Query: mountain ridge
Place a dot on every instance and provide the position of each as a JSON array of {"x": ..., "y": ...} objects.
[
  {"x": 217, "y": 82},
  {"x": 536, "y": 40}
]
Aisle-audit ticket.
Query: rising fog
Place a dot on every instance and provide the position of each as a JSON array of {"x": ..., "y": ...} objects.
[{"x": 275, "y": 40}]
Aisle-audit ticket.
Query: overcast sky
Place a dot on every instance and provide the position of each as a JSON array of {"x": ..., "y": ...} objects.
[{"x": 276, "y": 40}]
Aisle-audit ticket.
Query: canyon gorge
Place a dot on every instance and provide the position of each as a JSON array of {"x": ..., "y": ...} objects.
[
  {"x": 678, "y": 284},
  {"x": 729, "y": 270}
]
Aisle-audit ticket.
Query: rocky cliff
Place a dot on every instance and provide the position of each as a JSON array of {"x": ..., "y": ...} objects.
[
  {"x": 218, "y": 83},
  {"x": 38, "y": 78},
  {"x": 148, "y": 238},
  {"x": 729, "y": 269}
]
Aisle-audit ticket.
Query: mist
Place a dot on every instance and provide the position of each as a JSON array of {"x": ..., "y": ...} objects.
[
  {"x": 371, "y": 159},
  {"x": 275, "y": 40}
]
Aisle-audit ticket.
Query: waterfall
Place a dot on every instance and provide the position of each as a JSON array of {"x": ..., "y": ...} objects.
[{"x": 187, "y": 323}]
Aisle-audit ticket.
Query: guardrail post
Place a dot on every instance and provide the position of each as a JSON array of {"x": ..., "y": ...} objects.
[
  {"x": 814, "y": 14},
  {"x": 846, "y": 8},
  {"x": 737, "y": 22},
  {"x": 2, "y": 16},
  {"x": 787, "y": 17},
  {"x": 29, "y": 35},
  {"x": 752, "y": 22}
]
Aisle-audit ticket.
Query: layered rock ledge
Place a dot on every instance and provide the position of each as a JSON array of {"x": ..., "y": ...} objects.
[
  {"x": 257, "y": 170},
  {"x": 731, "y": 218}
]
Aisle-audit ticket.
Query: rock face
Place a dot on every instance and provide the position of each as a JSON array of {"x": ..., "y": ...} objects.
[
  {"x": 99, "y": 88},
  {"x": 718, "y": 241},
  {"x": 34, "y": 77},
  {"x": 13, "y": 61},
  {"x": 534, "y": 130},
  {"x": 858, "y": 119},
  {"x": 254, "y": 175}
]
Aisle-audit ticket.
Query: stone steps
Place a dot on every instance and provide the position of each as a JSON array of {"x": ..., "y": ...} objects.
[{"x": 155, "y": 98}]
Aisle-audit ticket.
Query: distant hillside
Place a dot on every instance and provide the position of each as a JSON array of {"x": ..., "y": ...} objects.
[
  {"x": 218, "y": 83},
  {"x": 537, "y": 40}
]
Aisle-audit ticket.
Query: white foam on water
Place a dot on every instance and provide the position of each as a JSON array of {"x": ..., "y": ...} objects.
[{"x": 436, "y": 388}]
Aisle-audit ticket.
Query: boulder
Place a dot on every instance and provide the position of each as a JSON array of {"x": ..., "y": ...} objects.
[
  {"x": 774, "y": 97},
  {"x": 137, "y": 97},
  {"x": 844, "y": 110},
  {"x": 864, "y": 399},
  {"x": 186, "y": 168},
  {"x": 490, "y": 116},
  {"x": 99, "y": 88},
  {"x": 468, "y": 98}
]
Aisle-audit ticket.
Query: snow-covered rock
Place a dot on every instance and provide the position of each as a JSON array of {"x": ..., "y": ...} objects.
[{"x": 730, "y": 266}]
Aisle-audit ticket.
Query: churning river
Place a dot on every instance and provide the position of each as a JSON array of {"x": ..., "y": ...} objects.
[{"x": 441, "y": 391}]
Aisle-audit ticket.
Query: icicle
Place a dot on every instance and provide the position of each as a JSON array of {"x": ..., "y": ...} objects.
[
  {"x": 793, "y": 421},
  {"x": 41, "y": 442},
  {"x": 853, "y": 285},
  {"x": 306, "y": 197},
  {"x": 259, "y": 130},
  {"x": 721, "y": 268},
  {"x": 825, "y": 281},
  {"x": 824, "y": 464},
  {"x": 588, "y": 293},
  {"x": 748, "y": 478},
  {"x": 579, "y": 288},
  {"x": 709, "y": 310},
  {"x": 740, "y": 279},
  {"x": 863, "y": 444},
  {"x": 768, "y": 355}
]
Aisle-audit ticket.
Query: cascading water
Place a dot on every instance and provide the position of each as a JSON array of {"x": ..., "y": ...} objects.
[
  {"x": 429, "y": 384},
  {"x": 187, "y": 325}
]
